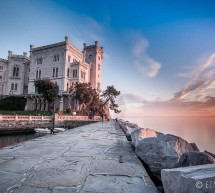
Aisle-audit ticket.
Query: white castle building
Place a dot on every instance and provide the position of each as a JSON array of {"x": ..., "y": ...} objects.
[{"x": 61, "y": 62}]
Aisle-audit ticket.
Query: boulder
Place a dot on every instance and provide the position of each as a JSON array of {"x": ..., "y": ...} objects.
[
  {"x": 127, "y": 128},
  {"x": 129, "y": 131},
  {"x": 213, "y": 155},
  {"x": 193, "y": 179},
  {"x": 142, "y": 134},
  {"x": 194, "y": 146},
  {"x": 194, "y": 158},
  {"x": 158, "y": 150}
]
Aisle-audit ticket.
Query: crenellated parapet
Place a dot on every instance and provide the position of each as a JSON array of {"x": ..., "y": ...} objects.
[
  {"x": 3, "y": 60},
  {"x": 24, "y": 56}
]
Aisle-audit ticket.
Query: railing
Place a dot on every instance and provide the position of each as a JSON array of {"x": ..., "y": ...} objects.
[
  {"x": 24, "y": 118},
  {"x": 74, "y": 118},
  {"x": 58, "y": 118}
]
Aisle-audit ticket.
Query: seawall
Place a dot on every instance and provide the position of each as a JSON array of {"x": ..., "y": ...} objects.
[
  {"x": 22, "y": 127},
  {"x": 16, "y": 124}
]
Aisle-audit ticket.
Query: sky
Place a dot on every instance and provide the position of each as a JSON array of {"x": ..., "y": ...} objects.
[{"x": 159, "y": 54}]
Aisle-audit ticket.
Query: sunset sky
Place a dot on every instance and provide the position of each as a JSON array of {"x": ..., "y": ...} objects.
[{"x": 159, "y": 54}]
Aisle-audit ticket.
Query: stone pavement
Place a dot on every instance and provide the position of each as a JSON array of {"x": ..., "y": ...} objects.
[{"x": 84, "y": 159}]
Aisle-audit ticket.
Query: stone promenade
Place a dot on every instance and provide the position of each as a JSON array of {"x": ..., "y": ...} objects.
[{"x": 84, "y": 159}]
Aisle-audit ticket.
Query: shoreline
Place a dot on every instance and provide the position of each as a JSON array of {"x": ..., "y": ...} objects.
[
  {"x": 24, "y": 127},
  {"x": 200, "y": 131},
  {"x": 160, "y": 152}
]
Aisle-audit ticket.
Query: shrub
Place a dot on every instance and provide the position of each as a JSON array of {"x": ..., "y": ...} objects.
[{"x": 13, "y": 103}]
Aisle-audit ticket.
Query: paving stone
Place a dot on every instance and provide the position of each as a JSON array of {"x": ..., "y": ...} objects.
[
  {"x": 113, "y": 167},
  {"x": 9, "y": 180},
  {"x": 60, "y": 172},
  {"x": 27, "y": 189},
  {"x": 116, "y": 184},
  {"x": 19, "y": 165},
  {"x": 83, "y": 159}
]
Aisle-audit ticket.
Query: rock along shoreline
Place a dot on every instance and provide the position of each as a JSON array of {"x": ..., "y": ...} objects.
[{"x": 162, "y": 153}]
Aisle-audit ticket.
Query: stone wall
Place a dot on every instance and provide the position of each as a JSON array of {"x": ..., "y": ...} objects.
[
  {"x": 73, "y": 124},
  {"x": 18, "y": 127},
  {"x": 25, "y": 124}
]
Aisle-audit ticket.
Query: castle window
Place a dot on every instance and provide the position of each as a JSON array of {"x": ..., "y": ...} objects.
[
  {"x": 38, "y": 74},
  {"x": 15, "y": 71},
  {"x": 69, "y": 58},
  {"x": 1, "y": 67},
  {"x": 55, "y": 72},
  {"x": 16, "y": 85},
  {"x": 0, "y": 78},
  {"x": 74, "y": 74},
  {"x": 39, "y": 60},
  {"x": 83, "y": 74},
  {"x": 56, "y": 58},
  {"x": 99, "y": 67},
  {"x": 68, "y": 72},
  {"x": 67, "y": 86},
  {"x": 99, "y": 57}
]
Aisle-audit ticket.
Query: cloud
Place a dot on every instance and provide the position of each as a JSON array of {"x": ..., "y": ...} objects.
[
  {"x": 145, "y": 64},
  {"x": 209, "y": 62},
  {"x": 199, "y": 86},
  {"x": 137, "y": 106},
  {"x": 202, "y": 80},
  {"x": 125, "y": 99},
  {"x": 192, "y": 100}
]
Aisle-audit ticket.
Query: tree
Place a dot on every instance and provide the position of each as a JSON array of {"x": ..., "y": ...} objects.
[
  {"x": 110, "y": 94},
  {"x": 48, "y": 89},
  {"x": 86, "y": 96},
  {"x": 90, "y": 101}
]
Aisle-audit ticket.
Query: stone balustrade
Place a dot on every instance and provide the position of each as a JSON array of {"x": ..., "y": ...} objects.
[
  {"x": 24, "y": 118},
  {"x": 58, "y": 118}
]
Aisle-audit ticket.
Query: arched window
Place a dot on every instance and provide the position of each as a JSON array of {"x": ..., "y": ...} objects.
[
  {"x": 16, "y": 85},
  {"x": 38, "y": 74},
  {"x": 68, "y": 72},
  {"x": 56, "y": 58},
  {"x": 12, "y": 86},
  {"x": 15, "y": 71}
]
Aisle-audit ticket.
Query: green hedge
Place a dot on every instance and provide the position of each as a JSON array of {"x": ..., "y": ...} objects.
[{"x": 13, "y": 103}]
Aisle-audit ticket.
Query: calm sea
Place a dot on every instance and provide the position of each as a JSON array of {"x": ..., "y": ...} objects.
[
  {"x": 13, "y": 139},
  {"x": 198, "y": 130}
]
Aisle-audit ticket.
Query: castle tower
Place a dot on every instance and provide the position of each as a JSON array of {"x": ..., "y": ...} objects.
[{"x": 94, "y": 56}]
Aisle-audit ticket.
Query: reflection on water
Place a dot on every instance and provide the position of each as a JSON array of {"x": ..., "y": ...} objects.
[
  {"x": 198, "y": 130},
  {"x": 12, "y": 139}
]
